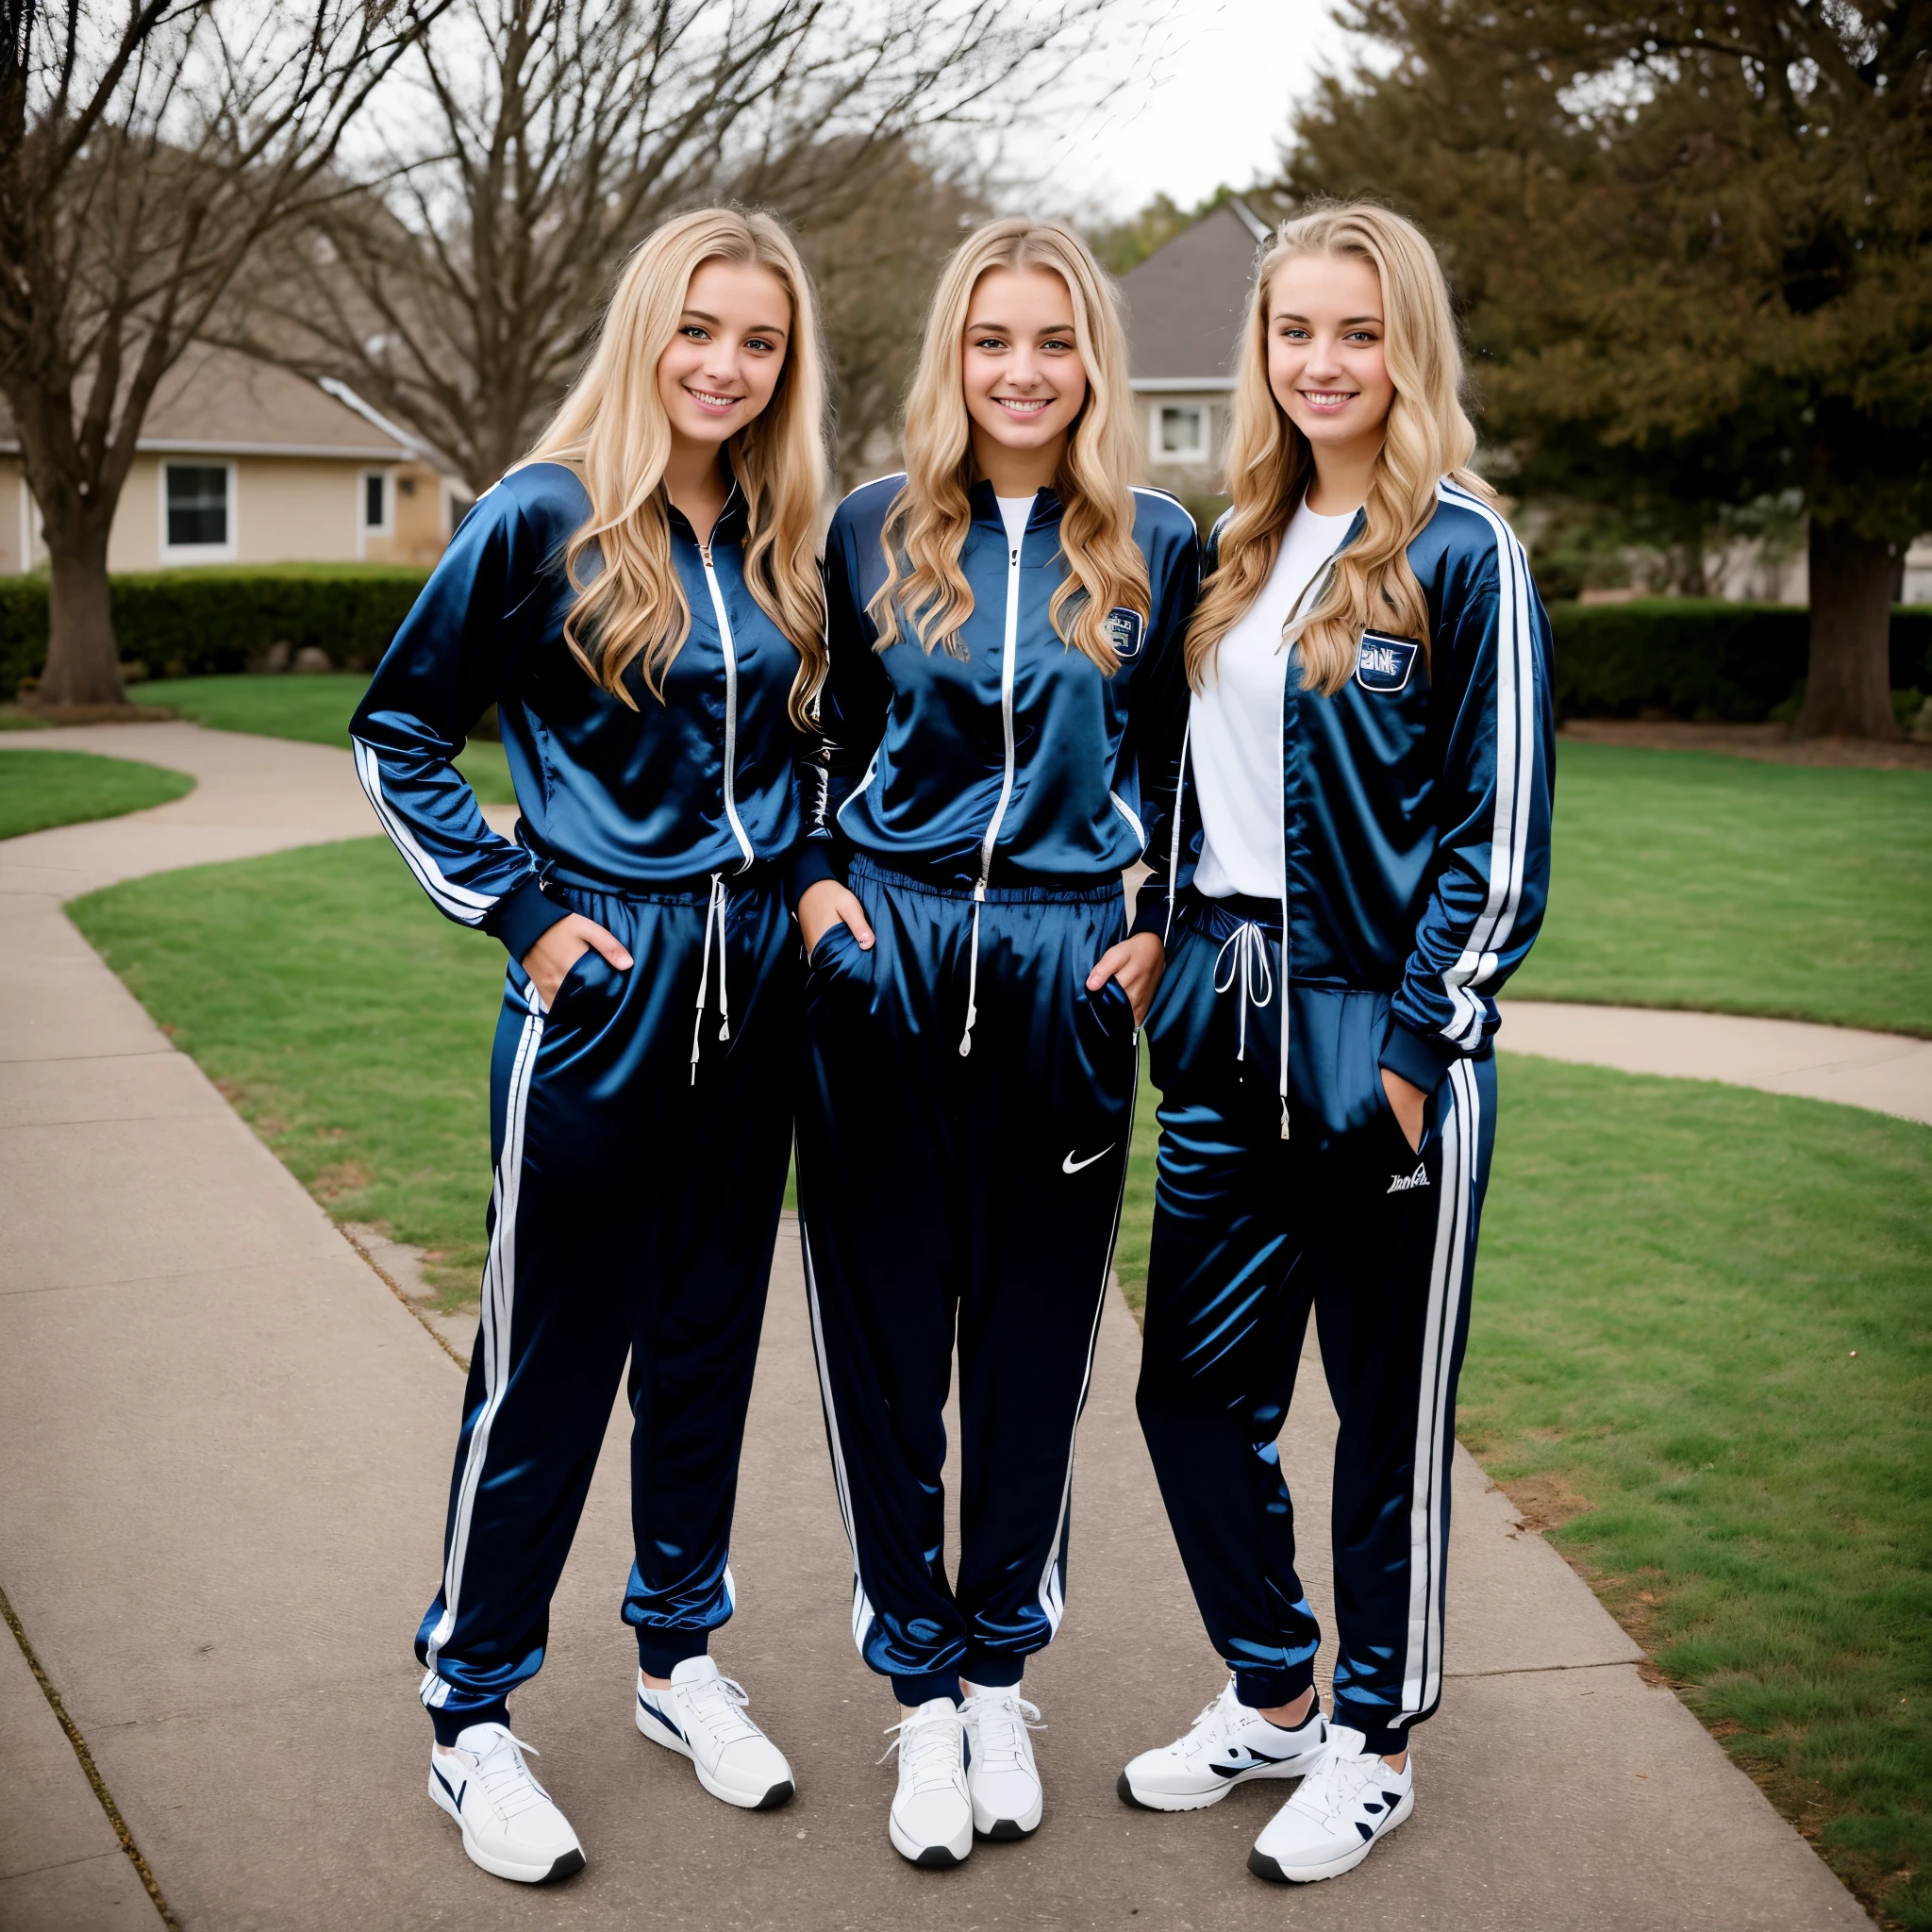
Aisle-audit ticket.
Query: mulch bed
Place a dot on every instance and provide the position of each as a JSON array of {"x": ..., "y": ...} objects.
[{"x": 1771, "y": 743}]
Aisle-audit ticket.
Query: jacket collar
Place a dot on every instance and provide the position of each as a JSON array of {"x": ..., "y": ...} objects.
[
  {"x": 986, "y": 509},
  {"x": 733, "y": 519}
]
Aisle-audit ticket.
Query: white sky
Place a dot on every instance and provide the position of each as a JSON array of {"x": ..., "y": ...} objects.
[{"x": 1208, "y": 89}]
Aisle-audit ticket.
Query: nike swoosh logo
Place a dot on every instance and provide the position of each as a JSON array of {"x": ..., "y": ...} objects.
[{"x": 1072, "y": 1166}]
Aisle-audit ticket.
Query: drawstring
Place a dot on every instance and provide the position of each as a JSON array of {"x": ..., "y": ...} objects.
[
  {"x": 1286, "y": 947},
  {"x": 973, "y": 973},
  {"x": 1249, "y": 969},
  {"x": 715, "y": 913}
]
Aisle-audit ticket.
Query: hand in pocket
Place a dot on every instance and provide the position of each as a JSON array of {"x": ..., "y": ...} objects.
[{"x": 1406, "y": 1102}]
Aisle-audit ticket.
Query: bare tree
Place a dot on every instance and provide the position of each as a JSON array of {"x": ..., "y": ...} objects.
[
  {"x": 538, "y": 141},
  {"x": 145, "y": 151}
]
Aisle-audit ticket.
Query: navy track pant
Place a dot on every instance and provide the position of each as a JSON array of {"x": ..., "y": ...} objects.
[
  {"x": 1250, "y": 1232},
  {"x": 976, "y": 1194},
  {"x": 634, "y": 1212}
]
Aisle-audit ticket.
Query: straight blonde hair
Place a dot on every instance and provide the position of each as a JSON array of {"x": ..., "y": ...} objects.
[
  {"x": 612, "y": 429},
  {"x": 1270, "y": 465},
  {"x": 926, "y": 527}
]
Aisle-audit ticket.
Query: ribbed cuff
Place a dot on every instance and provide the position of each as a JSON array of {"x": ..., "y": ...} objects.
[
  {"x": 1150, "y": 910},
  {"x": 660, "y": 1652},
  {"x": 1271, "y": 1689},
  {"x": 913, "y": 1692},
  {"x": 1417, "y": 1058},
  {"x": 810, "y": 865},
  {"x": 522, "y": 917},
  {"x": 451, "y": 1725}
]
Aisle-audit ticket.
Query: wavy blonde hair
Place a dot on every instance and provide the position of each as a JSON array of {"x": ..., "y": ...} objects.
[
  {"x": 926, "y": 527},
  {"x": 613, "y": 431},
  {"x": 1429, "y": 436}
]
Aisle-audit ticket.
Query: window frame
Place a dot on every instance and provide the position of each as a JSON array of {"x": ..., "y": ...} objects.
[
  {"x": 199, "y": 553},
  {"x": 387, "y": 528},
  {"x": 1201, "y": 450}
]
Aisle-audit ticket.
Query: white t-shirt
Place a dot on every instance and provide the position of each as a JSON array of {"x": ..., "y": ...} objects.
[
  {"x": 1014, "y": 510},
  {"x": 1236, "y": 722}
]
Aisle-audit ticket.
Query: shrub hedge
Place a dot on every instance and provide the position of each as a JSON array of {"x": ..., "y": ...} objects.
[
  {"x": 1695, "y": 657},
  {"x": 192, "y": 622}
]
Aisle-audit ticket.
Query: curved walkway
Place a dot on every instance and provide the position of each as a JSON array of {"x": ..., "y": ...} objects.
[{"x": 226, "y": 1448}]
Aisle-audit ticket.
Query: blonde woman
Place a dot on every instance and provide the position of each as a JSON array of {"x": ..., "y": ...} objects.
[
  {"x": 640, "y": 600},
  {"x": 1004, "y": 629},
  {"x": 1360, "y": 862}
]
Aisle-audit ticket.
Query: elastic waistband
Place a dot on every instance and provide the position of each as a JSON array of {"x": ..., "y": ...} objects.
[
  {"x": 1217, "y": 918},
  {"x": 1038, "y": 892},
  {"x": 758, "y": 878}
]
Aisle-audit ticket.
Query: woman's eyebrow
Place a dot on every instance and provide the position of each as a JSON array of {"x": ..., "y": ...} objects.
[{"x": 763, "y": 329}]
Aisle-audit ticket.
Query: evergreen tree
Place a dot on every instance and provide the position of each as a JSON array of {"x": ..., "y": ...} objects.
[{"x": 1692, "y": 242}]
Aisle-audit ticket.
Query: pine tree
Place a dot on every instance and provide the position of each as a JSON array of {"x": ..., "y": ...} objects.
[{"x": 1692, "y": 244}]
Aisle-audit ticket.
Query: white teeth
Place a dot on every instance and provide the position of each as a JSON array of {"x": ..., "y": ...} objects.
[
  {"x": 711, "y": 401},
  {"x": 1021, "y": 404}
]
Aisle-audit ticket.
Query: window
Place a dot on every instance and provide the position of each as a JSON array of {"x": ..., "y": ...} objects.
[
  {"x": 198, "y": 506},
  {"x": 1181, "y": 433},
  {"x": 375, "y": 501}
]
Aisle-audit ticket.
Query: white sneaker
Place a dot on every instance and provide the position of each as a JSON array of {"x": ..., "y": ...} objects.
[
  {"x": 702, "y": 1714},
  {"x": 510, "y": 1828},
  {"x": 1000, "y": 1772},
  {"x": 932, "y": 1810},
  {"x": 1329, "y": 1826},
  {"x": 1230, "y": 1744}
]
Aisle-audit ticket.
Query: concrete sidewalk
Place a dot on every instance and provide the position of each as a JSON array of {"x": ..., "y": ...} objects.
[{"x": 228, "y": 1450}]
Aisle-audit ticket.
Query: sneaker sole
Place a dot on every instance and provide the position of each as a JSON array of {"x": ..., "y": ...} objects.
[
  {"x": 767, "y": 1800},
  {"x": 1199, "y": 1801},
  {"x": 927, "y": 1857},
  {"x": 567, "y": 1866},
  {"x": 1005, "y": 1830},
  {"x": 1262, "y": 1866}
]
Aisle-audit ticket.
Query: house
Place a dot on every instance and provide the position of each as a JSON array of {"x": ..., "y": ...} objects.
[
  {"x": 1185, "y": 308},
  {"x": 243, "y": 462}
]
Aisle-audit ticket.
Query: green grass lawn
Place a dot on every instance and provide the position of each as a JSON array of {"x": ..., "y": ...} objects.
[
  {"x": 1693, "y": 879},
  {"x": 1674, "y": 1276},
  {"x": 316, "y": 709},
  {"x": 39, "y": 789}
]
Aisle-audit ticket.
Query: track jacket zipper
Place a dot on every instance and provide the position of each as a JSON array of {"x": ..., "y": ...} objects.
[
  {"x": 1007, "y": 654},
  {"x": 715, "y": 907}
]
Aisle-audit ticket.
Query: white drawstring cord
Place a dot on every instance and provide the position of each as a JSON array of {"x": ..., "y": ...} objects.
[
  {"x": 1248, "y": 969},
  {"x": 973, "y": 973},
  {"x": 715, "y": 913}
]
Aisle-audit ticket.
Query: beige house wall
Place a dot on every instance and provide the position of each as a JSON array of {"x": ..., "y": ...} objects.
[
  {"x": 418, "y": 515},
  {"x": 19, "y": 529}
]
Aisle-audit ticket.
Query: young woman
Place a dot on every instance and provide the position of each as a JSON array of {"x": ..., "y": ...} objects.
[
  {"x": 1005, "y": 624},
  {"x": 640, "y": 600},
  {"x": 1360, "y": 862}
]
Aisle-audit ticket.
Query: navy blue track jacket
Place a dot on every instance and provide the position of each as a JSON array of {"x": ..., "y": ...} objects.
[
  {"x": 1019, "y": 762},
  {"x": 1415, "y": 802},
  {"x": 707, "y": 781}
]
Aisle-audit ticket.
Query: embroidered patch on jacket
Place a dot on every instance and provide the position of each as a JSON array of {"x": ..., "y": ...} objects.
[
  {"x": 1384, "y": 663},
  {"x": 1128, "y": 631}
]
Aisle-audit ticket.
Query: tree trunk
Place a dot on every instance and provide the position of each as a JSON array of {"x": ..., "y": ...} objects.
[
  {"x": 1848, "y": 679},
  {"x": 83, "y": 665}
]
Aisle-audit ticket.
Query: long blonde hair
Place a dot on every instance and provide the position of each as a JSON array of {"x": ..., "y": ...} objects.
[
  {"x": 612, "y": 429},
  {"x": 926, "y": 524},
  {"x": 1270, "y": 465}
]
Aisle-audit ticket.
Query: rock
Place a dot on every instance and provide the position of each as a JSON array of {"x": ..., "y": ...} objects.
[{"x": 311, "y": 658}]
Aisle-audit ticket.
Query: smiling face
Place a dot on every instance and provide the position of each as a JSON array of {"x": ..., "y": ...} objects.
[
  {"x": 724, "y": 361},
  {"x": 1023, "y": 377},
  {"x": 1326, "y": 366}
]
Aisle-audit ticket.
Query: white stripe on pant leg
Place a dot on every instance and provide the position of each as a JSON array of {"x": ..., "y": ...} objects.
[
  {"x": 861, "y": 1603},
  {"x": 499, "y": 1286},
  {"x": 1052, "y": 1585},
  {"x": 1423, "y": 1665}
]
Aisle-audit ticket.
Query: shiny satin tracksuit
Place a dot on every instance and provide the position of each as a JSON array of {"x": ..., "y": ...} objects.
[
  {"x": 968, "y": 1105},
  {"x": 1415, "y": 842},
  {"x": 639, "y": 1124}
]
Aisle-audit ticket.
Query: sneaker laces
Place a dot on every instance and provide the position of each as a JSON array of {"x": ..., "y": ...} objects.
[
  {"x": 1001, "y": 1722},
  {"x": 506, "y": 1778},
  {"x": 928, "y": 1749},
  {"x": 1333, "y": 1790},
  {"x": 718, "y": 1704},
  {"x": 1212, "y": 1728}
]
